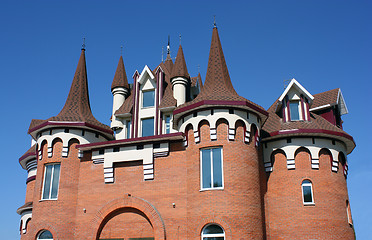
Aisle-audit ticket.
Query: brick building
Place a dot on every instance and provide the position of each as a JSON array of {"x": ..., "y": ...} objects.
[{"x": 187, "y": 160}]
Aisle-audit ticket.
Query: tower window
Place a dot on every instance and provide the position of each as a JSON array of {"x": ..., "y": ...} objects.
[
  {"x": 294, "y": 110},
  {"x": 147, "y": 127},
  {"x": 128, "y": 128},
  {"x": 167, "y": 124},
  {"x": 51, "y": 181},
  {"x": 213, "y": 232},
  {"x": 46, "y": 235},
  {"x": 148, "y": 98},
  {"x": 307, "y": 192},
  {"x": 211, "y": 168}
]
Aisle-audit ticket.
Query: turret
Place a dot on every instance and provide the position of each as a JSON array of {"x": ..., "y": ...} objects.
[
  {"x": 180, "y": 78},
  {"x": 120, "y": 91}
]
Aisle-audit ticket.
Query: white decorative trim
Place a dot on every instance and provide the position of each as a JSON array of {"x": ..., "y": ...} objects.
[
  {"x": 196, "y": 136},
  {"x": 26, "y": 215},
  {"x": 65, "y": 151},
  {"x": 231, "y": 133},
  {"x": 80, "y": 154},
  {"x": 247, "y": 136},
  {"x": 291, "y": 164},
  {"x": 50, "y": 152},
  {"x": 213, "y": 133},
  {"x": 315, "y": 163},
  {"x": 108, "y": 175},
  {"x": 185, "y": 143}
]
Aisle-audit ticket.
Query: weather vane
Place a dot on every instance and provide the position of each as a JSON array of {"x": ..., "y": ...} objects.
[
  {"x": 83, "y": 46},
  {"x": 214, "y": 21}
]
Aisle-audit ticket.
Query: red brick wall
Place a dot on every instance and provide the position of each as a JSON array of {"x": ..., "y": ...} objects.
[
  {"x": 30, "y": 191},
  {"x": 286, "y": 215}
]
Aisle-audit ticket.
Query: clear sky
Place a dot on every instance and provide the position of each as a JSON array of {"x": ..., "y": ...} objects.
[{"x": 323, "y": 44}]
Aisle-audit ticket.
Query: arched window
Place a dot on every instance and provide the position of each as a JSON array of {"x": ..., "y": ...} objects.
[
  {"x": 45, "y": 235},
  {"x": 307, "y": 192},
  {"x": 213, "y": 232}
]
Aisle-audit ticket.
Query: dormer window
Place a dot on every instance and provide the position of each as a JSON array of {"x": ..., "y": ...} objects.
[
  {"x": 148, "y": 98},
  {"x": 294, "y": 110}
]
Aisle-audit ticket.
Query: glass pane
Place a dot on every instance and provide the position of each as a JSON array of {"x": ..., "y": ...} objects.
[
  {"x": 293, "y": 108},
  {"x": 217, "y": 167},
  {"x": 45, "y": 235},
  {"x": 147, "y": 127},
  {"x": 48, "y": 174},
  {"x": 213, "y": 238},
  {"x": 307, "y": 194},
  {"x": 128, "y": 129},
  {"x": 206, "y": 168},
  {"x": 148, "y": 98},
  {"x": 167, "y": 124},
  {"x": 212, "y": 229},
  {"x": 55, "y": 180}
]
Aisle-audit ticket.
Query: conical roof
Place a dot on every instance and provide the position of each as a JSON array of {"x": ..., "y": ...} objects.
[
  {"x": 217, "y": 88},
  {"x": 120, "y": 78},
  {"x": 180, "y": 68},
  {"x": 77, "y": 107}
]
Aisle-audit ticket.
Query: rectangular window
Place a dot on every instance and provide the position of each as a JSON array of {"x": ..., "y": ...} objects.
[
  {"x": 294, "y": 111},
  {"x": 147, "y": 127},
  {"x": 307, "y": 192},
  {"x": 211, "y": 168},
  {"x": 148, "y": 98},
  {"x": 167, "y": 124},
  {"x": 128, "y": 128},
  {"x": 51, "y": 181}
]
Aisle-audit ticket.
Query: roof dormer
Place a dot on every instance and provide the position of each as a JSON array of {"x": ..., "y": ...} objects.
[{"x": 293, "y": 104}]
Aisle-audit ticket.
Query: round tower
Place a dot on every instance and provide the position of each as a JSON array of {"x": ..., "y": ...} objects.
[
  {"x": 53, "y": 162},
  {"x": 180, "y": 78},
  {"x": 306, "y": 169},
  {"x": 221, "y": 133},
  {"x": 120, "y": 91}
]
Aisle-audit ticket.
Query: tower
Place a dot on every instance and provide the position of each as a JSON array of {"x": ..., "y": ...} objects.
[
  {"x": 55, "y": 154},
  {"x": 304, "y": 152}
]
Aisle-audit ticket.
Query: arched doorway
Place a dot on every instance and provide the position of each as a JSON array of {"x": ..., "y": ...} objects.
[{"x": 126, "y": 224}]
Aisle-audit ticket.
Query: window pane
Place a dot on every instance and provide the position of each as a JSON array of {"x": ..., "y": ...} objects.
[
  {"x": 307, "y": 194},
  {"x": 293, "y": 108},
  {"x": 48, "y": 175},
  {"x": 217, "y": 167},
  {"x": 147, "y": 127},
  {"x": 128, "y": 129},
  {"x": 213, "y": 238},
  {"x": 45, "y": 235},
  {"x": 211, "y": 229},
  {"x": 167, "y": 124},
  {"x": 206, "y": 168},
  {"x": 148, "y": 98},
  {"x": 55, "y": 180}
]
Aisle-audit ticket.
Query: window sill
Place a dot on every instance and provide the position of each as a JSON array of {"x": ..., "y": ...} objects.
[
  {"x": 309, "y": 204},
  {"x": 52, "y": 199},
  {"x": 211, "y": 189}
]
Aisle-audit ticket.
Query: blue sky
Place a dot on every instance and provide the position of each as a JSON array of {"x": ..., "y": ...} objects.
[{"x": 323, "y": 44}]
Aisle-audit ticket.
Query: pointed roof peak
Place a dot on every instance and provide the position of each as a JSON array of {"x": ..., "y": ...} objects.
[
  {"x": 120, "y": 78},
  {"x": 180, "y": 68},
  {"x": 77, "y": 106}
]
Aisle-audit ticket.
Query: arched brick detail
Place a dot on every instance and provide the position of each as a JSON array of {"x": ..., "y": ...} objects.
[
  {"x": 128, "y": 202},
  {"x": 218, "y": 221},
  {"x": 50, "y": 228}
]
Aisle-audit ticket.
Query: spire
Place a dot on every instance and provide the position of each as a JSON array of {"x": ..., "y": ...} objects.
[
  {"x": 120, "y": 78},
  {"x": 168, "y": 49},
  {"x": 217, "y": 82},
  {"x": 168, "y": 61},
  {"x": 179, "y": 68}
]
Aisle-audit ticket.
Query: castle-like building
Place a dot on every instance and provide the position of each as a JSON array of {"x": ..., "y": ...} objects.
[{"x": 187, "y": 160}]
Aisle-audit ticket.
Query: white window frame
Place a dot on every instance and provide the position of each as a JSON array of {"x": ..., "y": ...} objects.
[
  {"x": 307, "y": 183},
  {"x": 203, "y": 235},
  {"x": 143, "y": 96},
  {"x": 51, "y": 182},
  {"x": 201, "y": 169}
]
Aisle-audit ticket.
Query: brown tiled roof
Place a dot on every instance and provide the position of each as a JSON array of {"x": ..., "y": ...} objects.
[
  {"x": 127, "y": 106},
  {"x": 200, "y": 82},
  {"x": 324, "y": 98},
  {"x": 217, "y": 85},
  {"x": 26, "y": 206},
  {"x": 168, "y": 64},
  {"x": 120, "y": 78},
  {"x": 168, "y": 100},
  {"x": 30, "y": 152},
  {"x": 77, "y": 106},
  {"x": 180, "y": 68},
  {"x": 275, "y": 124}
]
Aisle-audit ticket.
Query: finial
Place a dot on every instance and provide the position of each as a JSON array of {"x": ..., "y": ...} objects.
[
  {"x": 83, "y": 45},
  {"x": 121, "y": 50},
  {"x": 198, "y": 68},
  {"x": 168, "y": 46},
  {"x": 180, "y": 38},
  {"x": 214, "y": 21},
  {"x": 162, "y": 54}
]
